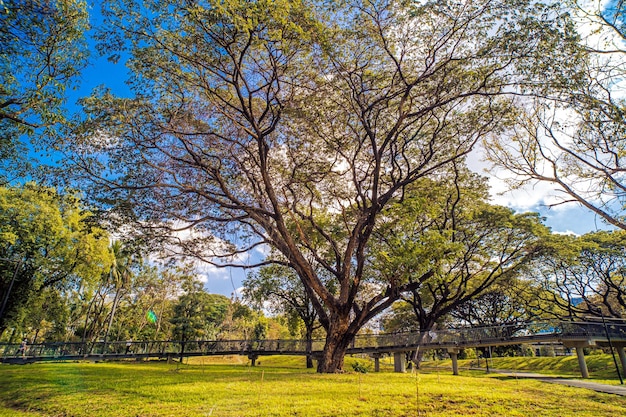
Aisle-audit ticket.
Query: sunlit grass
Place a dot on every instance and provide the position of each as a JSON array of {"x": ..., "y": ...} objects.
[
  {"x": 601, "y": 366},
  {"x": 279, "y": 387}
]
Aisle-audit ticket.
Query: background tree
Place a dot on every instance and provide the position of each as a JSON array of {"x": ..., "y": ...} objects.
[
  {"x": 585, "y": 275},
  {"x": 472, "y": 247},
  {"x": 198, "y": 314},
  {"x": 279, "y": 289},
  {"x": 576, "y": 143},
  {"x": 239, "y": 322},
  {"x": 42, "y": 51},
  {"x": 148, "y": 310},
  {"x": 104, "y": 300},
  {"x": 509, "y": 302},
  {"x": 91, "y": 309},
  {"x": 44, "y": 317},
  {"x": 83, "y": 311},
  {"x": 120, "y": 276},
  {"x": 250, "y": 116},
  {"x": 47, "y": 240}
]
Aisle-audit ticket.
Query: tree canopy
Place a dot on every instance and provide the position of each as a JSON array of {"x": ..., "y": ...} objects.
[
  {"x": 446, "y": 226},
  {"x": 42, "y": 51},
  {"x": 47, "y": 240},
  {"x": 197, "y": 313},
  {"x": 576, "y": 142},
  {"x": 585, "y": 275},
  {"x": 294, "y": 124}
]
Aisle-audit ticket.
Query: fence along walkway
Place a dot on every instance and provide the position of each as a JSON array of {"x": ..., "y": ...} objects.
[{"x": 571, "y": 334}]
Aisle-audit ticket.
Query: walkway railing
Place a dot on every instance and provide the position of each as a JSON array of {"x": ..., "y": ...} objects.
[{"x": 553, "y": 331}]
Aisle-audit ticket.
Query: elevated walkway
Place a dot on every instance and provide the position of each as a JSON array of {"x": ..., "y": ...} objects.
[{"x": 571, "y": 334}]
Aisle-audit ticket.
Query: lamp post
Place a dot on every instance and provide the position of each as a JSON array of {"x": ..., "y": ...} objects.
[{"x": 608, "y": 337}]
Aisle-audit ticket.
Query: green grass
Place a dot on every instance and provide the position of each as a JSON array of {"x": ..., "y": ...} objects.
[
  {"x": 601, "y": 366},
  {"x": 280, "y": 387}
]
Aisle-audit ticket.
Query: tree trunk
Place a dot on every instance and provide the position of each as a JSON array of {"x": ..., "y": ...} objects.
[
  {"x": 424, "y": 337},
  {"x": 158, "y": 323},
  {"x": 309, "y": 346},
  {"x": 116, "y": 300},
  {"x": 182, "y": 347},
  {"x": 338, "y": 338},
  {"x": 93, "y": 300},
  {"x": 418, "y": 354},
  {"x": 333, "y": 355},
  {"x": 12, "y": 337}
]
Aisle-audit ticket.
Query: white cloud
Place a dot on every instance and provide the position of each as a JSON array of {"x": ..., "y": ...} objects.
[
  {"x": 262, "y": 251},
  {"x": 521, "y": 199}
]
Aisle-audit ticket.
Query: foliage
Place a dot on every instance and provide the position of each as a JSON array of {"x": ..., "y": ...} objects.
[
  {"x": 278, "y": 288},
  {"x": 120, "y": 276},
  {"x": 154, "y": 290},
  {"x": 360, "y": 367},
  {"x": 512, "y": 301},
  {"x": 242, "y": 322},
  {"x": 585, "y": 274},
  {"x": 42, "y": 51},
  {"x": 471, "y": 247},
  {"x": 254, "y": 122},
  {"x": 102, "y": 302},
  {"x": 576, "y": 142},
  {"x": 47, "y": 241},
  {"x": 47, "y": 316},
  {"x": 198, "y": 314}
]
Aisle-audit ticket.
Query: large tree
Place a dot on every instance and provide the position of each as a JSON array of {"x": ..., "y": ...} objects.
[
  {"x": 446, "y": 227},
  {"x": 42, "y": 51},
  {"x": 47, "y": 240},
  {"x": 577, "y": 143},
  {"x": 255, "y": 122}
]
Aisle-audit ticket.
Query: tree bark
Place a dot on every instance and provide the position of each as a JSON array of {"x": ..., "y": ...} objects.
[
  {"x": 338, "y": 338},
  {"x": 309, "y": 346},
  {"x": 116, "y": 300}
]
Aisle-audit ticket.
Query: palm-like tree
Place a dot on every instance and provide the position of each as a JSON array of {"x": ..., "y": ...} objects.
[{"x": 120, "y": 276}]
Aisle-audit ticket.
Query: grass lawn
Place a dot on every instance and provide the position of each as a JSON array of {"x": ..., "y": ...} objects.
[
  {"x": 601, "y": 366},
  {"x": 280, "y": 387}
]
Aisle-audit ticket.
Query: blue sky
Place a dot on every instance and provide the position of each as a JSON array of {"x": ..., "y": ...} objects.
[
  {"x": 573, "y": 219},
  {"x": 100, "y": 71}
]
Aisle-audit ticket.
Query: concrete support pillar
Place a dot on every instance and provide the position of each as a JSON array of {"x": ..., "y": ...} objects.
[
  {"x": 377, "y": 363},
  {"x": 581, "y": 362},
  {"x": 622, "y": 358},
  {"x": 454, "y": 355},
  {"x": 398, "y": 362}
]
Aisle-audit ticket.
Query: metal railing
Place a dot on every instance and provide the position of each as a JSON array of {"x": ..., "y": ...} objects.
[{"x": 557, "y": 331}]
